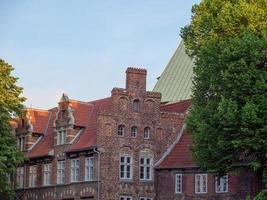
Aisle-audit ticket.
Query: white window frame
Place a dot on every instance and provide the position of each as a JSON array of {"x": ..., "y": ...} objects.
[
  {"x": 221, "y": 184},
  {"x": 21, "y": 143},
  {"x": 75, "y": 170},
  {"x": 47, "y": 174},
  {"x": 32, "y": 175},
  {"x": 125, "y": 198},
  {"x": 61, "y": 137},
  {"x": 146, "y": 198},
  {"x": 126, "y": 161},
  {"x": 134, "y": 131},
  {"x": 178, "y": 183},
  {"x": 20, "y": 177},
  {"x": 60, "y": 172},
  {"x": 146, "y": 133},
  {"x": 146, "y": 168},
  {"x": 201, "y": 183},
  {"x": 121, "y": 129},
  {"x": 89, "y": 168}
]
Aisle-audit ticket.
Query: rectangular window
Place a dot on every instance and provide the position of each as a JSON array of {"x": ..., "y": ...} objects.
[
  {"x": 75, "y": 171},
  {"x": 178, "y": 183},
  {"x": 61, "y": 137},
  {"x": 126, "y": 167},
  {"x": 32, "y": 176},
  {"x": 146, "y": 166},
  {"x": 221, "y": 184},
  {"x": 89, "y": 168},
  {"x": 60, "y": 172},
  {"x": 201, "y": 183},
  {"x": 126, "y": 198},
  {"x": 145, "y": 198},
  {"x": 21, "y": 143},
  {"x": 47, "y": 174},
  {"x": 20, "y": 177}
]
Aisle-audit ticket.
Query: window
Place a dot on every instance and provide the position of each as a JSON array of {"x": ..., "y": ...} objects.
[
  {"x": 47, "y": 174},
  {"x": 134, "y": 131},
  {"x": 89, "y": 168},
  {"x": 221, "y": 184},
  {"x": 178, "y": 183},
  {"x": 32, "y": 176},
  {"x": 121, "y": 130},
  {"x": 147, "y": 133},
  {"x": 126, "y": 167},
  {"x": 146, "y": 168},
  {"x": 136, "y": 105},
  {"x": 126, "y": 198},
  {"x": 201, "y": 183},
  {"x": 75, "y": 172},
  {"x": 60, "y": 172},
  {"x": 21, "y": 143},
  {"x": 20, "y": 177},
  {"x": 145, "y": 198},
  {"x": 61, "y": 137}
]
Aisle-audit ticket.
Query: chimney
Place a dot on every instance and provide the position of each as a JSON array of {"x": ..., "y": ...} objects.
[{"x": 136, "y": 79}]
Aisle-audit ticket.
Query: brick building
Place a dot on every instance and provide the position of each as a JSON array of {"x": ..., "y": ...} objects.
[{"x": 128, "y": 146}]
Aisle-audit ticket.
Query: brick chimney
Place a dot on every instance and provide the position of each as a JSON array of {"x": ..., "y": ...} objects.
[{"x": 136, "y": 79}]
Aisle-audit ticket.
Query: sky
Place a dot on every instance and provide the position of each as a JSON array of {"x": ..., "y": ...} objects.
[{"x": 83, "y": 47}]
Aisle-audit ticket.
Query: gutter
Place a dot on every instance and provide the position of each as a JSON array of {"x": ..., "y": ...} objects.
[{"x": 98, "y": 172}]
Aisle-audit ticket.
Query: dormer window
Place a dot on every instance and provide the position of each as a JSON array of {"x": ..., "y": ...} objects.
[
  {"x": 21, "y": 143},
  {"x": 136, "y": 105},
  {"x": 61, "y": 137}
]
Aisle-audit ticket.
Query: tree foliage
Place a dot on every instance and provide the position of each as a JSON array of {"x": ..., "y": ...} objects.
[
  {"x": 10, "y": 104},
  {"x": 228, "y": 39}
]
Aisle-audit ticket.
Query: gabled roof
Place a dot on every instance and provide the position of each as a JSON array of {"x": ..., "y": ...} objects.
[
  {"x": 176, "y": 80},
  {"x": 180, "y": 155},
  {"x": 39, "y": 119},
  {"x": 178, "y": 107},
  {"x": 85, "y": 115}
]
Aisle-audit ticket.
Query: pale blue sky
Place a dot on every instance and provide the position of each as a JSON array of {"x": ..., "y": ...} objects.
[{"x": 83, "y": 47}]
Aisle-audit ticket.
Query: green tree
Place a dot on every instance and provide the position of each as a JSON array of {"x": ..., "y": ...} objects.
[
  {"x": 228, "y": 120},
  {"x": 10, "y": 105}
]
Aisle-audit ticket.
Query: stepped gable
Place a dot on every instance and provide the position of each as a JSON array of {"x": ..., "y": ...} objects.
[
  {"x": 87, "y": 139},
  {"x": 180, "y": 156},
  {"x": 81, "y": 111},
  {"x": 178, "y": 107}
]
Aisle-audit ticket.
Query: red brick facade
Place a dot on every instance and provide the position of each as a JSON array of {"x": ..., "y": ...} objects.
[{"x": 123, "y": 159}]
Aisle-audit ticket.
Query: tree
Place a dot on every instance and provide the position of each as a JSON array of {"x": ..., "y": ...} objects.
[
  {"x": 10, "y": 104},
  {"x": 228, "y": 120}
]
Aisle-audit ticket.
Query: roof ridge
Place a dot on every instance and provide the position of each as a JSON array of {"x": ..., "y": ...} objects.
[{"x": 37, "y": 109}]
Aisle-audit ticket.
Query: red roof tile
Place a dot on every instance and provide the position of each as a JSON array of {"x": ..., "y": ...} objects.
[
  {"x": 180, "y": 156},
  {"x": 87, "y": 138},
  {"x": 85, "y": 114},
  {"x": 39, "y": 119},
  {"x": 179, "y": 107}
]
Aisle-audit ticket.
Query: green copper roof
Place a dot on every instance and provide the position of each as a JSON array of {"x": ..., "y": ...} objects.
[{"x": 176, "y": 80}]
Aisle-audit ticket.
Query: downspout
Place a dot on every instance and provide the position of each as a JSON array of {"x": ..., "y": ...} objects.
[{"x": 98, "y": 172}]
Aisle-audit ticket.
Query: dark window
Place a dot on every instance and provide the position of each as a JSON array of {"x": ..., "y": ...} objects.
[
  {"x": 136, "y": 105},
  {"x": 121, "y": 130},
  {"x": 147, "y": 133},
  {"x": 134, "y": 131}
]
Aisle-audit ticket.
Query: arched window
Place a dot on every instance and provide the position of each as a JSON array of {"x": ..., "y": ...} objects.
[
  {"x": 146, "y": 132},
  {"x": 136, "y": 105},
  {"x": 121, "y": 130},
  {"x": 134, "y": 131}
]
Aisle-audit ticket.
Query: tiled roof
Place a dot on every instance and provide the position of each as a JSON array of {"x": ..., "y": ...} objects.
[
  {"x": 178, "y": 107},
  {"x": 176, "y": 80},
  {"x": 180, "y": 156},
  {"x": 39, "y": 119},
  {"x": 87, "y": 138},
  {"x": 85, "y": 115}
]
